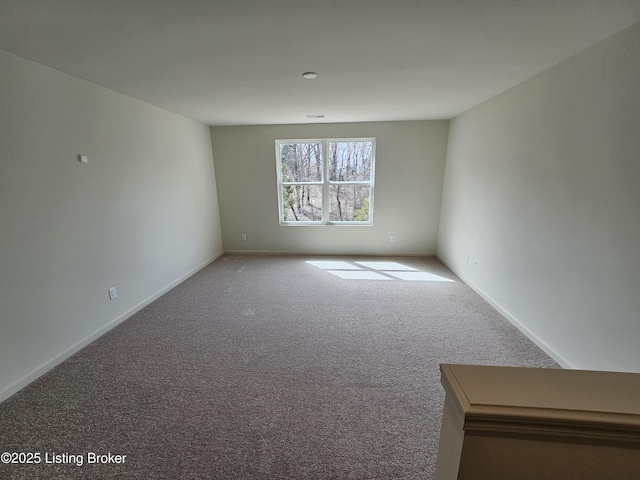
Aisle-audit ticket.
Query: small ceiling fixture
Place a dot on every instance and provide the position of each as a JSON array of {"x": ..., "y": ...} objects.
[{"x": 309, "y": 75}]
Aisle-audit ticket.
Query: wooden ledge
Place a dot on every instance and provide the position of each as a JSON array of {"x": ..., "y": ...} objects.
[{"x": 548, "y": 402}]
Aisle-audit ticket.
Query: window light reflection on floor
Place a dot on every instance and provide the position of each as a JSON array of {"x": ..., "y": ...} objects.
[
  {"x": 418, "y": 276},
  {"x": 386, "y": 266},
  {"x": 377, "y": 270},
  {"x": 358, "y": 275},
  {"x": 333, "y": 265}
]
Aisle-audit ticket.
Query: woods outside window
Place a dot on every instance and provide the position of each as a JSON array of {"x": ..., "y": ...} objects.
[{"x": 326, "y": 181}]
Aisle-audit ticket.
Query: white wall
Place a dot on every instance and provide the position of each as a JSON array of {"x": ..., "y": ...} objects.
[
  {"x": 140, "y": 215},
  {"x": 542, "y": 189},
  {"x": 409, "y": 172}
]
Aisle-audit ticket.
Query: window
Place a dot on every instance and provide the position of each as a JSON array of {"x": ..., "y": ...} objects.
[{"x": 326, "y": 182}]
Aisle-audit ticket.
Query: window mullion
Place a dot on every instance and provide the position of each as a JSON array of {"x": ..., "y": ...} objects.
[{"x": 325, "y": 182}]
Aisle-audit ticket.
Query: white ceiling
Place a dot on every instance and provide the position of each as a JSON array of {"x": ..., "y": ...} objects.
[{"x": 238, "y": 62}]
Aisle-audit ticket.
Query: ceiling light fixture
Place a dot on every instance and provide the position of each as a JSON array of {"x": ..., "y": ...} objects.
[{"x": 309, "y": 75}]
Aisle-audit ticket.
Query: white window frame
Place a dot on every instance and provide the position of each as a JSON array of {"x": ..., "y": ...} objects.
[{"x": 325, "y": 183}]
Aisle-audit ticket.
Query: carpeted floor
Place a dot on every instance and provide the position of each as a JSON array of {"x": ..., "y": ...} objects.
[{"x": 265, "y": 367}]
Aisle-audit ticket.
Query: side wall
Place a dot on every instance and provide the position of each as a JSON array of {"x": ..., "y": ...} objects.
[
  {"x": 409, "y": 172},
  {"x": 541, "y": 205},
  {"x": 141, "y": 215}
]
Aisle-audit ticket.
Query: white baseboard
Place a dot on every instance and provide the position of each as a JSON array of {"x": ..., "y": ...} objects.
[
  {"x": 544, "y": 346},
  {"x": 325, "y": 254},
  {"x": 62, "y": 356}
]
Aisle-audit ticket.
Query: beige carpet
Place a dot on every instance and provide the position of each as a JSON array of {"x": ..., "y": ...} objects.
[{"x": 267, "y": 367}]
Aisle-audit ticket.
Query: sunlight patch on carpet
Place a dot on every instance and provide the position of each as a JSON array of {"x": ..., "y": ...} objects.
[
  {"x": 386, "y": 266},
  {"x": 333, "y": 265},
  {"x": 358, "y": 275},
  {"x": 418, "y": 276},
  {"x": 376, "y": 270}
]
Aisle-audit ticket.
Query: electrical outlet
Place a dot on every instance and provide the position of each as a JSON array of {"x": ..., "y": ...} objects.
[
  {"x": 468, "y": 259},
  {"x": 113, "y": 294},
  {"x": 392, "y": 238},
  {"x": 244, "y": 236}
]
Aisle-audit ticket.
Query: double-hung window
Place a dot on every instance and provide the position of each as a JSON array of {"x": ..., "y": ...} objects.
[{"x": 326, "y": 181}]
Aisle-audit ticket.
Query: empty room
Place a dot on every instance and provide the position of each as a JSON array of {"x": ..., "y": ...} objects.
[{"x": 295, "y": 239}]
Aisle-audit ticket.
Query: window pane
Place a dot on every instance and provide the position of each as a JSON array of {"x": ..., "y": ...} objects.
[
  {"x": 349, "y": 203},
  {"x": 350, "y": 161},
  {"x": 302, "y": 203},
  {"x": 301, "y": 162}
]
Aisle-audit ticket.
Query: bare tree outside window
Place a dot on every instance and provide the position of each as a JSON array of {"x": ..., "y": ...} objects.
[{"x": 326, "y": 181}]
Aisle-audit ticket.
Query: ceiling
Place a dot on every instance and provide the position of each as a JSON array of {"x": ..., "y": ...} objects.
[{"x": 240, "y": 62}]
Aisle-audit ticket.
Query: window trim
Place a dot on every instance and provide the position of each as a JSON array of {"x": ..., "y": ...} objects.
[{"x": 325, "y": 183}]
